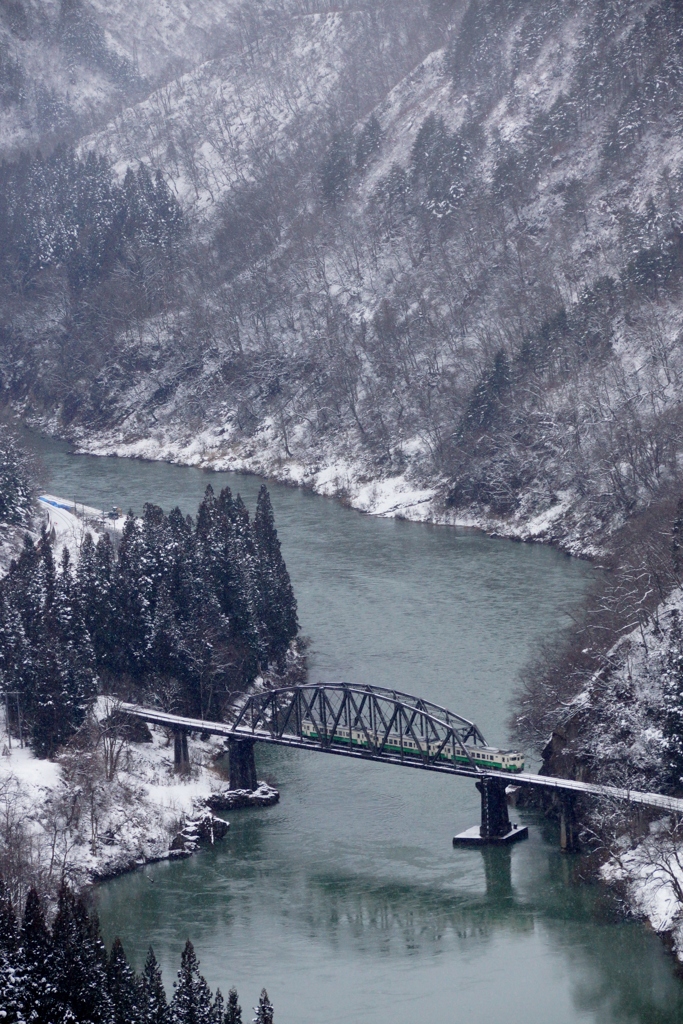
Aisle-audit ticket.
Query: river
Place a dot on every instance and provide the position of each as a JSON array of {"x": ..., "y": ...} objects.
[{"x": 347, "y": 900}]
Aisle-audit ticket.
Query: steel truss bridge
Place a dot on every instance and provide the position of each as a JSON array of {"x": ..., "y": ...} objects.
[{"x": 317, "y": 716}]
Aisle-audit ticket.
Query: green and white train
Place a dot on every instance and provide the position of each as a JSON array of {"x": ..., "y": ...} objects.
[{"x": 484, "y": 757}]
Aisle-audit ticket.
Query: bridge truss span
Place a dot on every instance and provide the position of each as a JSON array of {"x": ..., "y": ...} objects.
[{"x": 366, "y": 721}]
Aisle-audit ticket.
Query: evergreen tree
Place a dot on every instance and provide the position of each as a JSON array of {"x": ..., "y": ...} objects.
[
  {"x": 677, "y": 538},
  {"x": 124, "y": 990},
  {"x": 277, "y": 604},
  {"x": 15, "y": 656},
  {"x": 94, "y": 592},
  {"x": 264, "y": 1010},
  {"x": 65, "y": 682},
  {"x": 233, "y": 1013},
  {"x": 152, "y": 995},
  {"x": 39, "y": 994},
  {"x": 191, "y": 1003},
  {"x": 672, "y": 690},
  {"x": 439, "y": 161},
  {"x": 15, "y": 490},
  {"x": 132, "y": 587},
  {"x": 80, "y": 963},
  {"x": 23, "y": 585},
  {"x": 368, "y": 142},
  {"x": 336, "y": 169},
  {"x": 10, "y": 975},
  {"x": 218, "y": 1008}
]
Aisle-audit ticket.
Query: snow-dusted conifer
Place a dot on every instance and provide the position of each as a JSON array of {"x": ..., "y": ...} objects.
[
  {"x": 124, "y": 989},
  {"x": 152, "y": 995},
  {"x": 10, "y": 975},
  {"x": 277, "y": 604},
  {"x": 80, "y": 963},
  {"x": 677, "y": 539},
  {"x": 218, "y": 1008},
  {"x": 131, "y": 625},
  {"x": 264, "y": 1010},
  {"x": 15, "y": 491},
  {"x": 672, "y": 691},
  {"x": 192, "y": 1002},
  {"x": 37, "y": 960},
  {"x": 233, "y": 1012}
]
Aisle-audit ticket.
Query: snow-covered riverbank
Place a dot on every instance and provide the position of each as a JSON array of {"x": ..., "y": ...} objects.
[
  {"x": 618, "y": 730},
  {"x": 347, "y": 473},
  {"x": 94, "y": 813}
]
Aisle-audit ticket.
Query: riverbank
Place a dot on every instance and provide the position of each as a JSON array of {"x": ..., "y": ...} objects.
[
  {"x": 98, "y": 810},
  {"x": 563, "y": 520},
  {"x": 621, "y": 729}
]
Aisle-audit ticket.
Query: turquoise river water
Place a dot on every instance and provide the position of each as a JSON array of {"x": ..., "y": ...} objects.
[{"x": 347, "y": 900}]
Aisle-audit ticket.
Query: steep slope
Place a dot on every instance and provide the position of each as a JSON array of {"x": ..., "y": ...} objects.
[
  {"x": 220, "y": 124},
  {"x": 66, "y": 64},
  {"x": 436, "y": 271}
]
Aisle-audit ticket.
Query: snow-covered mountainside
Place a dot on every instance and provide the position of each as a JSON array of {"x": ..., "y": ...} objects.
[
  {"x": 426, "y": 257},
  {"x": 65, "y": 65}
]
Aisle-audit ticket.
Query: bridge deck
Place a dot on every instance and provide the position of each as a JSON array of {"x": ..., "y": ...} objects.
[{"x": 163, "y": 718}]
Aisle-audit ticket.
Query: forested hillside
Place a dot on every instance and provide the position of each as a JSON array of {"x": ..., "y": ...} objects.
[{"x": 428, "y": 257}]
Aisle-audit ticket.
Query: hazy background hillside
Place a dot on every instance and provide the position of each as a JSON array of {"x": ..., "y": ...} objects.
[{"x": 427, "y": 255}]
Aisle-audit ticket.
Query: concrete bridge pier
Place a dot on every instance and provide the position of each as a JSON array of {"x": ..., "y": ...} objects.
[
  {"x": 495, "y": 821},
  {"x": 242, "y": 764},
  {"x": 569, "y": 829},
  {"x": 181, "y": 757}
]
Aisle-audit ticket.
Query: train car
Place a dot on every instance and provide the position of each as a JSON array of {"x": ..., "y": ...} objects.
[{"x": 484, "y": 757}]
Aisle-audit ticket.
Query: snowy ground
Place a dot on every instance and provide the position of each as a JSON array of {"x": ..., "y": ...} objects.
[
  {"x": 77, "y": 823},
  {"x": 653, "y": 876},
  {"x": 70, "y": 521}
]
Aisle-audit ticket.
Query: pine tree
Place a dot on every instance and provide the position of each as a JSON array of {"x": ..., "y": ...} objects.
[
  {"x": 336, "y": 169},
  {"x": 80, "y": 963},
  {"x": 38, "y": 991},
  {"x": 152, "y": 995},
  {"x": 15, "y": 657},
  {"x": 23, "y": 583},
  {"x": 218, "y": 1008},
  {"x": 97, "y": 595},
  {"x": 233, "y": 1013},
  {"x": 77, "y": 654},
  {"x": 677, "y": 538},
  {"x": 277, "y": 604},
  {"x": 123, "y": 987},
  {"x": 191, "y": 1003},
  {"x": 264, "y": 1010},
  {"x": 131, "y": 624},
  {"x": 368, "y": 142},
  {"x": 10, "y": 975},
  {"x": 65, "y": 682},
  {"x": 15, "y": 491}
]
